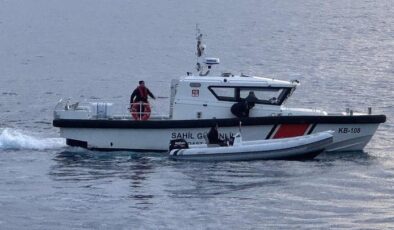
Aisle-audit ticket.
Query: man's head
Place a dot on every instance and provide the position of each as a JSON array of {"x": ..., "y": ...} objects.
[{"x": 142, "y": 83}]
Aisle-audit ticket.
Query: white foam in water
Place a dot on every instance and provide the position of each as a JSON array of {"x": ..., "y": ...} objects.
[{"x": 15, "y": 139}]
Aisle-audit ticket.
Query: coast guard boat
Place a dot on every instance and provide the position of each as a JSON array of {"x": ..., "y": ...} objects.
[{"x": 199, "y": 101}]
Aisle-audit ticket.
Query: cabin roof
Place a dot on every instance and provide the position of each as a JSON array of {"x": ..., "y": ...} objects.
[{"x": 242, "y": 80}]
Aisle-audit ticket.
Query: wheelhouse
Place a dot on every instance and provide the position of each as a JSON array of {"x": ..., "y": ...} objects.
[{"x": 204, "y": 97}]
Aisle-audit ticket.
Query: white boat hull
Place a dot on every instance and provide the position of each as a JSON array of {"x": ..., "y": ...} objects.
[{"x": 347, "y": 136}]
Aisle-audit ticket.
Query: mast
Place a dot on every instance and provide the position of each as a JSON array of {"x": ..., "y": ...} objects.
[
  {"x": 200, "y": 50},
  {"x": 203, "y": 62}
]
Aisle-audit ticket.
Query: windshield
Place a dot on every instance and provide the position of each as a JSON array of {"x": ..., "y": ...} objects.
[{"x": 258, "y": 95}]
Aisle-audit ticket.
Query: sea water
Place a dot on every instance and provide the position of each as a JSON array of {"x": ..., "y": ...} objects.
[{"x": 342, "y": 52}]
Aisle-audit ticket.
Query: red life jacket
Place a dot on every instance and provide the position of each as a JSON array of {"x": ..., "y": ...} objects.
[{"x": 143, "y": 93}]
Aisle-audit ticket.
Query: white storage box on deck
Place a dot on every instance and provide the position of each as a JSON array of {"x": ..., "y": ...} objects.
[{"x": 101, "y": 110}]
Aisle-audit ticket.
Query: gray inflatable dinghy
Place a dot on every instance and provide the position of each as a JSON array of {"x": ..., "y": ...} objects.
[{"x": 293, "y": 148}]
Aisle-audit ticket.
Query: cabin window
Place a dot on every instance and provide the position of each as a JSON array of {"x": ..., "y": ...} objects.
[
  {"x": 263, "y": 95},
  {"x": 267, "y": 95},
  {"x": 224, "y": 93}
]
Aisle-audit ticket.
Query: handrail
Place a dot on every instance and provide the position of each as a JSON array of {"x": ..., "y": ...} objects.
[{"x": 119, "y": 110}]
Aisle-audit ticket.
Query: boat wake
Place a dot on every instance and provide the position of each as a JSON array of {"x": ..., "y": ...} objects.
[{"x": 16, "y": 139}]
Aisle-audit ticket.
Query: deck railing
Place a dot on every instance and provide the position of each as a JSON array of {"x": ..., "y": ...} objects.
[{"x": 112, "y": 110}]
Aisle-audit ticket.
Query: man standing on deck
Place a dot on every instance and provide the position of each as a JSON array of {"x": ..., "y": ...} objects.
[{"x": 140, "y": 94}]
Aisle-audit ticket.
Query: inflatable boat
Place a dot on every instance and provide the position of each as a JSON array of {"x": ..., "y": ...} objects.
[{"x": 293, "y": 148}]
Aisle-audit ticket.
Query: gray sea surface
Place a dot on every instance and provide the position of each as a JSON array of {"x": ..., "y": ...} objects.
[{"x": 341, "y": 51}]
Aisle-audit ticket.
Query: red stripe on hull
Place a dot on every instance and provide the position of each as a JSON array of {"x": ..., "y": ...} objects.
[{"x": 291, "y": 130}]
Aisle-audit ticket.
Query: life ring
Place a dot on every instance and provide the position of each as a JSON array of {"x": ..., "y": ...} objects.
[{"x": 137, "y": 114}]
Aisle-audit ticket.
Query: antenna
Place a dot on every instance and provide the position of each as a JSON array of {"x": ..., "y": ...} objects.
[
  {"x": 202, "y": 62},
  {"x": 200, "y": 48}
]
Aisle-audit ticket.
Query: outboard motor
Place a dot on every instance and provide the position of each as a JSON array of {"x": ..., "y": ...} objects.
[{"x": 178, "y": 144}]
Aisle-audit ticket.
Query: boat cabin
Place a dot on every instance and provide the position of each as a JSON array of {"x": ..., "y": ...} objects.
[{"x": 207, "y": 97}]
